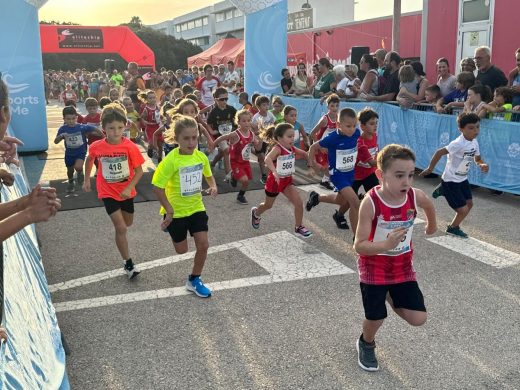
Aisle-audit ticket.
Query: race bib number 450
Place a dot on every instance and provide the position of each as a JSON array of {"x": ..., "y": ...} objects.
[
  {"x": 115, "y": 169},
  {"x": 191, "y": 180}
]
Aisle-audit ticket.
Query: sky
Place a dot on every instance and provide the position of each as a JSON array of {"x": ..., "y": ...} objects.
[{"x": 114, "y": 12}]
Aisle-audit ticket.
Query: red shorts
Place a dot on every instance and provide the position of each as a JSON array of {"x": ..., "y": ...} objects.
[
  {"x": 322, "y": 158},
  {"x": 149, "y": 134},
  {"x": 240, "y": 170},
  {"x": 272, "y": 187}
]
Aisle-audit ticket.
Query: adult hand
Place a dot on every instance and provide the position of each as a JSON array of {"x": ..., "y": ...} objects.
[
  {"x": 42, "y": 205},
  {"x": 8, "y": 150}
]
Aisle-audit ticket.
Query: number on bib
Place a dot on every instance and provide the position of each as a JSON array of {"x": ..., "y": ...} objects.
[
  {"x": 465, "y": 165},
  {"x": 225, "y": 128},
  {"x": 246, "y": 152},
  {"x": 74, "y": 141},
  {"x": 384, "y": 228},
  {"x": 115, "y": 169},
  {"x": 286, "y": 165},
  {"x": 345, "y": 159},
  {"x": 191, "y": 180}
]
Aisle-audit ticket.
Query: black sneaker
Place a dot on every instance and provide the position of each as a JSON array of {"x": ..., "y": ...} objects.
[
  {"x": 263, "y": 179},
  {"x": 367, "y": 355},
  {"x": 340, "y": 220},
  {"x": 149, "y": 153},
  {"x": 456, "y": 231},
  {"x": 130, "y": 269},
  {"x": 327, "y": 184},
  {"x": 314, "y": 200},
  {"x": 241, "y": 199},
  {"x": 437, "y": 192}
]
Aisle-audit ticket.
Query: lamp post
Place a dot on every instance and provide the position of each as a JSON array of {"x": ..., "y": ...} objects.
[{"x": 306, "y": 5}]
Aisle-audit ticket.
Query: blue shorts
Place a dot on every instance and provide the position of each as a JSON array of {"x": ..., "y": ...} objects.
[
  {"x": 342, "y": 180},
  {"x": 70, "y": 159},
  {"x": 457, "y": 194}
]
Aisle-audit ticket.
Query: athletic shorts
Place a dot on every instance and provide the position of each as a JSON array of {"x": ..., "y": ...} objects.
[
  {"x": 179, "y": 227},
  {"x": 342, "y": 180},
  {"x": 457, "y": 194},
  {"x": 322, "y": 158},
  {"x": 149, "y": 135},
  {"x": 405, "y": 295},
  {"x": 70, "y": 159},
  {"x": 112, "y": 205},
  {"x": 272, "y": 188},
  {"x": 241, "y": 169},
  {"x": 368, "y": 183}
]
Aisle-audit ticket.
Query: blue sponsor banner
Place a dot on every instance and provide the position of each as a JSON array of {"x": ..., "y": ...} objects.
[
  {"x": 22, "y": 70},
  {"x": 265, "y": 48},
  {"x": 425, "y": 132}
]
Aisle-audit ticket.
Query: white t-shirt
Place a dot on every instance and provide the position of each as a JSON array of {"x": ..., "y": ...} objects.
[
  {"x": 460, "y": 158},
  {"x": 232, "y": 76},
  {"x": 263, "y": 122},
  {"x": 344, "y": 85}
]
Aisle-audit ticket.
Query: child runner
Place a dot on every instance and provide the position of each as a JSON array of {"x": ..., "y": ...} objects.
[
  {"x": 281, "y": 161},
  {"x": 93, "y": 118},
  {"x": 384, "y": 243},
  {"x": 151, "y": 119},
  {"x": 178, "y": 184},
  {"x": 365, "y": 170},
  {"x": 75, "y": 137},
  {"x": 454, "y": 184},
  {"x": 119, "y": 172},
  {"x": 241, "y": 141},
  {"x": 262, "y": 120},
  {"x": 326, "y": 125},
  {"x": 277, "y": 110},
  {"x": 341, "y": 147},
  {"x": 133, "y": 116},
  {"x": 289, "y": 116}
]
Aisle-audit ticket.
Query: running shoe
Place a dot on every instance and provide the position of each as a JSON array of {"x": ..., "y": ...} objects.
[
  {"x": 437, "y": 192},
  {"x": 367, "y": 355},
  {"x": 70, "y": 187},
  {"x": 263, "y": 179},
  {"x": 340, "y": 220},
  {"x": 196, "y": 286},
  {"x": 456, "y": 231},
  {"x": 241, "y": 199},
  {"x": 255, "y": 221},
  {"x": 303, "y": 231},
  {"x": 149, "y": 153},
  {"x": 130, "y": 269},
  {"x": 314, "y": 200},
  {"x": 327, "y": 184},
  {"x": 80, "y": 178}
]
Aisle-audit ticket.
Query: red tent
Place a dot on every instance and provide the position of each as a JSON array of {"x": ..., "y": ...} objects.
[{"x": 232, "y": 49}]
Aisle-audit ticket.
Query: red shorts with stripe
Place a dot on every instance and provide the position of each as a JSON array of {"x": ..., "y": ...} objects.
[
  {"x": 149, "y": 134},
  {"x": 273, "y": 187},
  {"x": 241, "y": 169}
]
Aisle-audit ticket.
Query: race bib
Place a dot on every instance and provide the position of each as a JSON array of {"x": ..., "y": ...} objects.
[
  {"x": 157, "y": 116},
  {"x": 115, "y": 169},
  {"x": 225, "y": 128},
  {"x": 69, "y": 96},
  {"x": 246, "y": 152},
  {"x": 191, "y": 180},
  {"x": 465, "y": 165},
  {"x": 286, "y": 165},
  {"x": 74, "y": 141},
  {"x": 345, "y": 159},
  {"x": 384, "y": 228}
]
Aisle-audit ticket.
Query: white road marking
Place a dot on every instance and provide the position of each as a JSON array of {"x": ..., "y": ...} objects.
[
  {"x": 478, "y": 250},
  {"x": 284, "y": 256}
]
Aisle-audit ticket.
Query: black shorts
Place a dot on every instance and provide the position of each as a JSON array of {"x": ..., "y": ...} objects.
[
  {"x": 368, "y": 183},
  {"x": 194, "y": 223},
  {"x": 457, "y": 194},
  {"x": 405, "y": 295},
  {"x": 112, "y": 205},
  {"x": 263, "y": 148}
]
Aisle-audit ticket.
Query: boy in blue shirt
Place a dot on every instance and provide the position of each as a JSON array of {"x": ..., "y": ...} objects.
[
  {"x": 341, "y": 147},
  {"x": 75, "y": 137}
]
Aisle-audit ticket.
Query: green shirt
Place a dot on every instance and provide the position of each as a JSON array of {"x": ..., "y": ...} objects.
[
  {"x": 323, "y": 84},
  {"x": 117, "y": 79},
  {"x": 180, "y": 175}
]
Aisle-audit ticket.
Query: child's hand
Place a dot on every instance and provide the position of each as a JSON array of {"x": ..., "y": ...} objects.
[
  {"x": 484, "y": 168},
  {"x": 395, "y": 237},
  {"x": 3, "y": 334},
  {"x": 212, "y": 191},
  {"x": 6, "y": 177},
  {"x": 430, "y": 229},
  {"x": 86, "y": 186},
  {"x": 166, "y": 221},
  {"x": 276, "y": 177},
  {"x": 126, "y": 193},
  {"x": 426, "y": 172}
]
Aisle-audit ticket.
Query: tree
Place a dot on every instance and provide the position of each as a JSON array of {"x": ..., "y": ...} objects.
[{"x": 135, "y": 22}]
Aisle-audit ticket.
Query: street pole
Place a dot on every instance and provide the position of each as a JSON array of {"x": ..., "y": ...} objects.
[{"x": 396, "y": 22}]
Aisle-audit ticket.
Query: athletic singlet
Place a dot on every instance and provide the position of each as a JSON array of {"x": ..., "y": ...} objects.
[
  {"x": 328, "y": 128},
  {"x": 241, "y": 151},
  {"x": 151, "y": 116}
]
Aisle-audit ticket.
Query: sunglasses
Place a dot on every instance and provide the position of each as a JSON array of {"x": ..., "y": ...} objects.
[{"x": 223, "y": 99}]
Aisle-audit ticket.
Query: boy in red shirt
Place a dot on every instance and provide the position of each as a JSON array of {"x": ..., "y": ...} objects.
[
  {"x": 119, "y": 172},
  {"x": 384, "y": 243},
  {"x": 365, "y": 170},
  {"x": 93, "y": 118}
]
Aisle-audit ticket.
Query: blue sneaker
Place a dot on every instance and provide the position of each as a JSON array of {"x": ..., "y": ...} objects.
[{"x": 196, "y": 286}]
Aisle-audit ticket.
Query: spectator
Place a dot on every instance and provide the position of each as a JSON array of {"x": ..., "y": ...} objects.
[
  {"x": 477, "y": 98},
  {"x": 420, "y": 81},
  {"x": 467, "y": 65},
  {"x": 207, "y": 84},
  {"x": 301, "y": 83},
  {"x": 315, "y": 76},
  {"x": 348, "y": 87},
  {"x": 221, "y": 75},
  {"x": 195, "y": 73},
  {"x": 370, "y": 84},
  {"x": 488, "y": 74},
  {"x": 117, "y": 78},
  {"x": 232, "y": 76},
  {"x": 456, "y": 98},
  {"x": 514, "y": 80},
  {"x": 446, "y": 81},
  {"x": 432, "y": 94},
  {"x": 135, "y": 83},
  {"x": 503, "y": 97},
  {"x": 286, "y": 81},
  {"x": 380, "y": 55},
  {"x": 407, "y": 86},
  {"x": 392, "y": 63},
  {"x": 326, "y": 82}
]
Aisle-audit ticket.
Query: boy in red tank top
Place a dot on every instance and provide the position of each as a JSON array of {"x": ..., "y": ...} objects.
[{"x": 384, "y": 243}]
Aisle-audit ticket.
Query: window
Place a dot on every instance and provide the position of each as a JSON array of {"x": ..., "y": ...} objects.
[
  {"x": 198, "y": 23},
  {"x": 219, "y": 17},
  {"x": 475, "y": 10},
  {"x": 237, "y": 13},
  {"x": 229, "y": 14},
  {"x": 184, "y": 27},
  {"x": 178, "y": 27},
  {"x": 191, "y": 24},
  {"x": 205, "y": 21}
]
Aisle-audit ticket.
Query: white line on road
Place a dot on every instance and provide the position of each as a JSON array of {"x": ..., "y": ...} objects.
[
  {"x": 293, "y": 260},
  {"x": 478, "y": 250}
]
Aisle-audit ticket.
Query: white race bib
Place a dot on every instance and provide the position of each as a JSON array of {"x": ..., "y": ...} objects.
[
  {"x": 191, "y": 180},
  {"x": 346, "y": 159},
  {"x": 465, "y": 165},
  {"x": 286, "y": 165},
  {"x": 68, "y": 95},
  {"x": 157, "y": 116},
  {"x": 115, "y": 169},
  {"x": 74, "y": 141},
  {"x": 225, "y": 128},
  {"x": 384, "y": 228},
  {"x": 246, "y": 152}
]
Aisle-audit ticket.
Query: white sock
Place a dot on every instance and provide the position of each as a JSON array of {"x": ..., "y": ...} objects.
[{"x": 325, "y": 178}]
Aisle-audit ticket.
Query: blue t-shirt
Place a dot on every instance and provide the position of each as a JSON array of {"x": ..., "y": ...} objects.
[
  {"x": 76, "y": 139},
  {"x": 342, "y": 152},
  {"x": 186, "y": 79},
  {"x": 456, "y": 96}
]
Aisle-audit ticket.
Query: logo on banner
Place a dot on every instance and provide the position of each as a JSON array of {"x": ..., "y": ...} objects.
[
  {"x": 266, "y": 81},
  {"x": 13, "y": 88},
  {"x": 513, "y": 150},
  {"x": 80, "y": 38},
  {"x": 393, "y": 127},
  {"x": 445, "y": 138},
  {"x": 19, "y": 104}
]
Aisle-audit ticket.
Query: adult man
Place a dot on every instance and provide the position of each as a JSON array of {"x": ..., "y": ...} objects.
[
  {"x": 392, "y": 63},
  {"x": 380, "y": 55},
  {"x": 135, "y": 83},
  {"x": 207, "y": 84},
  {"x": 488, "y": 74},
  {"x": 117, "y": 78},
  {"x": 231, "y": 75},
  {"x": 183, "y": 78}
]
